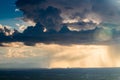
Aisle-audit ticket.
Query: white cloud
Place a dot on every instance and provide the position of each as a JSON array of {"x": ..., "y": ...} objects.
[
  {"x": 21, "y": 28},
  {"x": 17, "y": 10},
  {"x": 7, "y": 30}
]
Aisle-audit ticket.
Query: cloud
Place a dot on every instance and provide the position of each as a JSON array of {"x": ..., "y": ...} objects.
[
  {"x": 90, "y": 25},
  {"x": 88, "y": 28},
  {"x": 17, "y": 10},
  {"x": 59, "y": 56},
  {"x": 65, "y": 11},
  {"x": 21, "y": 28},
  {"x": 37, "y": 34},
  {"x": 13, "y": 44},
  {"x": 108, "y": 10},
  {"x": 6, "y": 30},
  {"x": 23, "y": 56},
  {"x": 88, "y": 17},
  {"x": 49, "y": 17},
  {"x": 34, "y": 30}
]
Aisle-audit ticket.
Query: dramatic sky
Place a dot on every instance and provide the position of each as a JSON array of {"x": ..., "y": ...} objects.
[{"x": 59, "y": 33}]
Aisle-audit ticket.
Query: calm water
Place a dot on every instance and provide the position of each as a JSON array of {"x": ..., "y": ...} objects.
[{"x": 61, "y": 74}]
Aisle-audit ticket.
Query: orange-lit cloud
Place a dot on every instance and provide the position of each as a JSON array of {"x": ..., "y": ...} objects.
[
  {"x": 61, "y": 56},
  {"x": 82, "y": 56}
]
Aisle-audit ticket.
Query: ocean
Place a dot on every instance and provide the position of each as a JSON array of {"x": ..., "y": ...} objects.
[{"x": 61, "y": 74}]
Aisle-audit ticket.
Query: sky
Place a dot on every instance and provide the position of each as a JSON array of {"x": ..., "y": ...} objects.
[
  {"x": 59, "y": 33},
  {"x": 8, "y": 13}
]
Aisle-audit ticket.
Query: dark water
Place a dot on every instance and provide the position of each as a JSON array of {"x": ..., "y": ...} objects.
[{"x": 61, "y": 74}]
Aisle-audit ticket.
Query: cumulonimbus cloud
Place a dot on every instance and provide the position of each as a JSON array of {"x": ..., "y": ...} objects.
[
  {"x": 88, "y": 17},
  {"x": 53, "y": 13}
]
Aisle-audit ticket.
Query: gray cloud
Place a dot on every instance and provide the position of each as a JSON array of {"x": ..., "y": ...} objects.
[
  {"x": 91, "y": 18},
  {"x": 53, "y": 13},
  {"x": 107, "y": 9},
  {"x": 49, "y": 16}
]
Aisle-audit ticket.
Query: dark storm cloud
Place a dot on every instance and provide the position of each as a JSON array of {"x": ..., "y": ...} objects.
[
  {"x": 85, "y": 16},
  {"x": 53, "y": 13},
  {"x": 22, "y": 3},
  {"x": 35, "y": 34},
  {"x": 107, "y": 9},
  {"x": 34, "y": 30},
  {"x": 33, "y": 10}
]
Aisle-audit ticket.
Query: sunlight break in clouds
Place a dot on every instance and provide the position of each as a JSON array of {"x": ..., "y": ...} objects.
[
  {"x": 82, "y": 56},
  {"x": 60, "y": 56}
]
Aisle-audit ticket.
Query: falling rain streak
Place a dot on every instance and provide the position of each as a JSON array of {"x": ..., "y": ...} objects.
[{"x": 57, "y": 56}]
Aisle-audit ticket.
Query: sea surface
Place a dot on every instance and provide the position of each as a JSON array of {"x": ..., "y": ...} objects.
[{"x": 61, "y": 74}]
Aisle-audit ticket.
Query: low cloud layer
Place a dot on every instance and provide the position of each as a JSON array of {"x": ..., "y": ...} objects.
[
  {"x": 57, "y": 56},
  {"x": 38, "y": 34}
]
